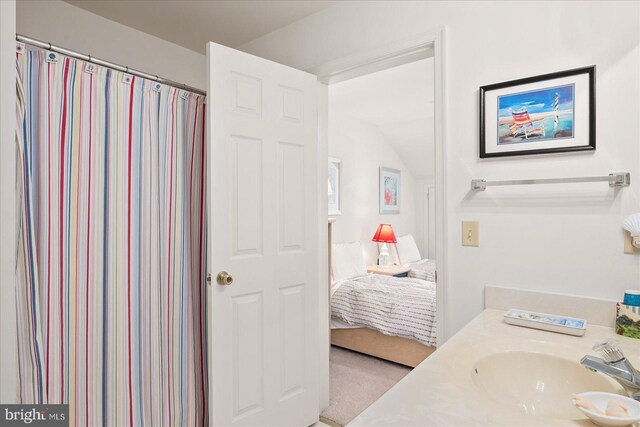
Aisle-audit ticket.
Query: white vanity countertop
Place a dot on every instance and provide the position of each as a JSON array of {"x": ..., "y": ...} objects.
[{"x": 442, "y": 392}]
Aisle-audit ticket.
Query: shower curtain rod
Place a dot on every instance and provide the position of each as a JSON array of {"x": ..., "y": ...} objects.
[{"x": 78, "y": 55}]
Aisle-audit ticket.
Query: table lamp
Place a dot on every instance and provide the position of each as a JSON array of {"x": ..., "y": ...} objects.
[{"x": 384, "y": 235}]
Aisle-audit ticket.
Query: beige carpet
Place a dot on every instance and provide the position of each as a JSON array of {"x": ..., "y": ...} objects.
[{"x": 356, "y": 381}]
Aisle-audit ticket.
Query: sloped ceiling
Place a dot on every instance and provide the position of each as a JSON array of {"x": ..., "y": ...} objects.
[{"x": 400, "y": 102}]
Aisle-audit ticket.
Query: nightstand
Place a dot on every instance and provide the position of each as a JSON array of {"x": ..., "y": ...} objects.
[{"x": 389, "y": 270}]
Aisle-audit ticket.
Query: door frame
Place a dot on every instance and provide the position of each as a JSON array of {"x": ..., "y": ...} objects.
[
  {"x": 366, "y": 61},
  {"x": 426, "y": 219}
]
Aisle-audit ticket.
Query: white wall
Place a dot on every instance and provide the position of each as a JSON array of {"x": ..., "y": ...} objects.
[
  {"x": 8, "y": 339},
  {"x": 561, "y": 238},
  {"x": 363, "y": 149},
  {"x": 68, "y": 26}
]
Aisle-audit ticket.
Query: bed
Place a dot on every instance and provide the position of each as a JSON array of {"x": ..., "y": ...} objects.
[
  {"x": 409, "y": 256},
  {"x": 382, "y": 316}
]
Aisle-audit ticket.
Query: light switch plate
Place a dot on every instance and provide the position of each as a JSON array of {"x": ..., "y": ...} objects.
[
  {"x": 628, "y": 246},
  {"x": 470, "y": 233}
]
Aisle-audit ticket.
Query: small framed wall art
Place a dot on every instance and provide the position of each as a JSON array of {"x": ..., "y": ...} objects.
[
  {"x": 551, "y": 113},
  {"x": 389, "y": 191},
  {"x": 333, "y": 184}
]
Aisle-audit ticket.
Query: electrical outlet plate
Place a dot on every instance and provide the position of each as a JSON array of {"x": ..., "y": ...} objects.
[
  {"x": 628, "y": 246},
  {"x": 470, "y": 233}
]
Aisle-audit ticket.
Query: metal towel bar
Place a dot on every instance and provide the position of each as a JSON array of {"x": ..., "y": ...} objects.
[{"x": 615, "y": 179}]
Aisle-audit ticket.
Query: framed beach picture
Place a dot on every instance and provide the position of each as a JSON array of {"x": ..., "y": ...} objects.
[
  {"x": 333, "y": 184},
  {"x": 551, "y": 113},
  {"x": 389, "y": 191}
]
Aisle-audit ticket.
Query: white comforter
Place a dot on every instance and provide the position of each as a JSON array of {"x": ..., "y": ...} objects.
[
  {"x": 402, "y": 307},
  {"x": 424, "y": 269}
]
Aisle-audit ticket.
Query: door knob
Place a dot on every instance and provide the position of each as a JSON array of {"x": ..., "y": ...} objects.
[{"x": 224, "y": 278}]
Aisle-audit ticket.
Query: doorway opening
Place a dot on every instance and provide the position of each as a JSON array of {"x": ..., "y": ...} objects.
[{"x": 384, "y": 144}]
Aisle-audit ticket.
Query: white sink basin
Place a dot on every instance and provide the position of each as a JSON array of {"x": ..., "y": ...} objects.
[{"x": 537, "y": 384}]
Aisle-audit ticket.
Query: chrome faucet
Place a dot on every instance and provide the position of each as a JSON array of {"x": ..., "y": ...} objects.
[{"x": 614, "y": 364}]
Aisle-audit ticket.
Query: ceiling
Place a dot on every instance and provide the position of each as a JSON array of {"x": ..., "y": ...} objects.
[
  {"x": 192, "y": 24},
  {"x": 400, "y": 102}
]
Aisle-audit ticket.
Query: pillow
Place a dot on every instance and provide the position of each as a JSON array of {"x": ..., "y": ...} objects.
[
  {"x": 347, "y": 261},
  {"x": 407, "y": 249}
]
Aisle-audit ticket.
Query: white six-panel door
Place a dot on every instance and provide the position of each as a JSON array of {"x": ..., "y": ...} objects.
[{"x": 262, "y": 165}]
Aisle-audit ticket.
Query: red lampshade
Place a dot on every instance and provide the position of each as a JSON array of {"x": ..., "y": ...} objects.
[{"x": 384, "y": 234}]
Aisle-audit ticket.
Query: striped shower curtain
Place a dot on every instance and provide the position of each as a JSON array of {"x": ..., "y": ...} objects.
[{"x": 112, "y": 245}]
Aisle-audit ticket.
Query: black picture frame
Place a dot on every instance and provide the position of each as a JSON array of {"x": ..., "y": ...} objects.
[{"x": 484, "y": 90}]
